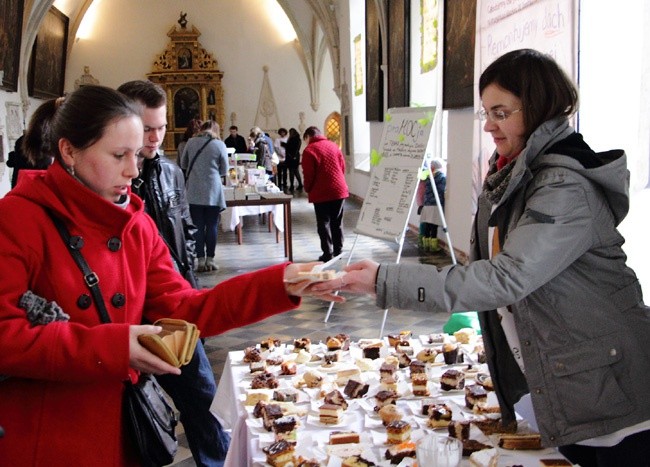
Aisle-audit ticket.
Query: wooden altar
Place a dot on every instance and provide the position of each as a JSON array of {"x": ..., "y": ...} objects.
[{"x": 191, "y": 78}]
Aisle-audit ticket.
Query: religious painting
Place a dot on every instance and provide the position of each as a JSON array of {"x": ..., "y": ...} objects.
[
  {"x": 186, "y": 106},
  {"x": 47, "y": 69},
  {"x": 458, "y": 69},
  {"x": 399, "y": 46},
  {"x": 374, "y": 76},
  {"x": 11, "y": 27},
  {"x": 184, "y": 59}
]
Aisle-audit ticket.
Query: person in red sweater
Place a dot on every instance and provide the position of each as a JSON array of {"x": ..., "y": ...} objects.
[{"x": 323, "y": 167}]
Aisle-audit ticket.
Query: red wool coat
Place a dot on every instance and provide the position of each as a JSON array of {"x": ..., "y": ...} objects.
[
  {"x": 62, "y": 403},
  {"x": 323, "y": 166}
]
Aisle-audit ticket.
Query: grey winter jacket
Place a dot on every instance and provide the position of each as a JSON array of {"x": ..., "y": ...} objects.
[
  {"x": 204, "y": 181},
  {"x": 578, "y": 308}
]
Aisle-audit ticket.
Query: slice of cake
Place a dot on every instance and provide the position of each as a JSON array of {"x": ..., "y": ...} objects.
[
  {"x": 355, "y": 389},
  {"x": 465, "y": 335},
  {"x": 389, "y": 413},
  {"x": 398, "y": 432},
  {"x": 333, "y": 343},
  {"x": 470, "y": 446},
  {"x": 403, "y": 359},
  {"x": 397, "y": 453},
  {"x": 459, "y": 430},
  {"x": 357, "y": 461},
  {"x": 270, "y": 412},
  {"x": 372, "y": 350},
  {"x": 485, "y": 458},
  {"x": 417, "y": 366},
  {"x": 335, "y": 397},
  {"x": 285, "y": 395},
  {"x": 256, "y": 367},
  {"x": 520, "y": 441},
  {"x": 279, "y": 453},
  {"x": 475, "y": 395},
  {"x": 332, "y": 357},
  {"x": 288, "y": 368},
  {"x": 439, "y": 416},
  {"x": 270, "y": 343},
  {"x": 451, "y": 380},
  {"x": 312, "y": 379},
  {"x": 252, "y": 354},
  {"x": 342, "y": 376},
  {"x": 285, "y": 428},
  {"x": 427, "y": 355},
  {"x": 420, "y": 382},
  {"x": 304, "y": 343},
  {"x": 257, "y": 409},
  {"x": 253, "y": 397},
  {"x": 330, "y": 414},
  {"x": 451, "y": 354},
  {"x": 383, "y": 398},
  {"x": 265, "y": 380},
  {"x": 344, "y": 437}
]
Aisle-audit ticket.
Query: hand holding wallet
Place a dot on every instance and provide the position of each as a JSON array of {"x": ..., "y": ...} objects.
[{"x": 176, "y": 342}]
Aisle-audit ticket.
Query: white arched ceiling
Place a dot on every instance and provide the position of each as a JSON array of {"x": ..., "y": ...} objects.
[{"x": 315, "y": 23}]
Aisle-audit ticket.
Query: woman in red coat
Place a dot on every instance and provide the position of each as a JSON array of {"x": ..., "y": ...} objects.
[{"x": 61, "y": 401}]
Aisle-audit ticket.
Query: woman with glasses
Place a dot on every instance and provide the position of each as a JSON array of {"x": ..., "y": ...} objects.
[{"x": 564, "y": 325}]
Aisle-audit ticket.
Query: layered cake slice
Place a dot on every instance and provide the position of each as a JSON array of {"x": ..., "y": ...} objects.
[
  {"x": 398, "y": 432},
  {"x": 279, "y": 453},
  {"x": 270, "y": 412},
  {"x": 344, "y": 437},
  {"x": 383, "y": 398},
  {"x": 475, "y": 395},
  {"x": 397, "y": 453},
  {"x": 285, "y": 428},
  {"x": 420, "y": 383},
  {"x": 439, "y": 416},
  {"x": 335, "y": 397},
  {"x": 330, "y": 414},
  {"x": 451, "y": 380},
  {"x": 355, "y": 389}
]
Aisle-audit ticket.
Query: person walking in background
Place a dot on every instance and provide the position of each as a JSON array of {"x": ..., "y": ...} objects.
[
  {"x": 293, "y": 158},
  {"x": 237, "y": 141},
  {"x": 162, "y": 188},
  {"x": 564, "y": 324},
  {"x": 323, "y": 165},
  {"x": 207, "y": 160},
  {"x": 260, "y": 146},
  {"x": 61, "y": 399},
  {"x": 280, "y": 144},
  {"x": 193, "y": 127},
  {"x": 428, "y": 208}
]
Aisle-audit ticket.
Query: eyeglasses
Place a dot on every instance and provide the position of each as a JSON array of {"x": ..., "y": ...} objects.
[{"x": 495, "y": 115}]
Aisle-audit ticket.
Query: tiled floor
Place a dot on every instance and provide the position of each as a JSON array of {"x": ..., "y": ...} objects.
[{"x": 358, "y": 317}]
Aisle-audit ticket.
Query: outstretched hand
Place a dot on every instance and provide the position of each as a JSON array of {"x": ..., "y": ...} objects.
[
  {"x": 305, "y": 288},
  {"x": 359, "y": 278},
  {"x": 141, "y": 359}
]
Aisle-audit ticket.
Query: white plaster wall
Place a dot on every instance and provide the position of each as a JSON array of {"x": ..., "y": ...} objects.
[{"x": 239, "y": 34}]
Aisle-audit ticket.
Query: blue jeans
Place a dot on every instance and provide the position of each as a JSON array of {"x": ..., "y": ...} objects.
[
  {"x": 192, "y": 393},
  {"x": 206, "y": 219}
]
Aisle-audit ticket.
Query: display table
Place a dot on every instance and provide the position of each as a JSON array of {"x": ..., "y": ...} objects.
[
  {"x": 249, "y": 436},
  {"x": 277, "y": 205}
]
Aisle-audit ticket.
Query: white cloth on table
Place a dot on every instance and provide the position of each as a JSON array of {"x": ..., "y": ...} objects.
[{"x": 232, "y": 215}]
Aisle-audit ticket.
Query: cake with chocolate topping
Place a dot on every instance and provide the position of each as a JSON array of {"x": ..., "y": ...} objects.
[
  {"x": 279, "y": 453},
  {"x": 398, "y": 432},
  {"x": 355, "y": 389},
  {"x": 451, "y": 380}
]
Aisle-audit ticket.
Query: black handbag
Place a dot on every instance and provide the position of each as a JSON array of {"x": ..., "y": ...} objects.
[{"x": 148, "y": 416}]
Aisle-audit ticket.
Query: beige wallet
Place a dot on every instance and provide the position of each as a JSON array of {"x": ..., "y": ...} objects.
[{"x": 176, "y": 342}]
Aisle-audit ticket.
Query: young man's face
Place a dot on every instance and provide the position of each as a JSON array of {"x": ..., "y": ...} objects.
[{"x": 155, "y": 125}]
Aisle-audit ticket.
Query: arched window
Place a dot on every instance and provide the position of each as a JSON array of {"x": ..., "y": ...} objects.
[{"x": 333, "y": 128}]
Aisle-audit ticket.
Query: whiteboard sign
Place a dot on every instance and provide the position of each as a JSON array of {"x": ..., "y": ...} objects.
[{"x": 393, "y": 181}]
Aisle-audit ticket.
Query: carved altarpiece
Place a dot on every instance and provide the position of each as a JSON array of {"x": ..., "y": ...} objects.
[{"x": 191, "y": 78}]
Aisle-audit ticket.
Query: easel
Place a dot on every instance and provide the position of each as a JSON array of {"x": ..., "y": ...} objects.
[
  {"x": 426, "y": 165},
  {"x": 393, "y": 181}
]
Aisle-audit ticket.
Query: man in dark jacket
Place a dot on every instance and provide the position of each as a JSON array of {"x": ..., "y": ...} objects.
[
  {"x": 236, "y": 141},
  {"x": 162, "y": 187}
]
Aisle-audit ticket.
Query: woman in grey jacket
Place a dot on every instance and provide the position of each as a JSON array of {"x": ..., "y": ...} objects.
[
  {"x": 207, "y": 165},
  {"x": 563, "y": 319}
]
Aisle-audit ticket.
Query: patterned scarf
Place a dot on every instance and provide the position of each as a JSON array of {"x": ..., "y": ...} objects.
[{"x": 496, "y": 181}]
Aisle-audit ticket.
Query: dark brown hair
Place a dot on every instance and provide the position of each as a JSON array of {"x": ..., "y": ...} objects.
[
  {"x": 311, "y": 132},
  {"x": 545, "y": 90},
  {"x": 81, "y": 118},
  {"x": 146, "y": 92}
]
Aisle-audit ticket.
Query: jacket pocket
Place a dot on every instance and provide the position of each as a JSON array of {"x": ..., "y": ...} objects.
[{"x": 586, "y": 382}]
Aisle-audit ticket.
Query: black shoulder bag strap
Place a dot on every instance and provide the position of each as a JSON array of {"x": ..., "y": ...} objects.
[
  {"x": 74, "y": 243},
  {"x": 189, "y": 168}
]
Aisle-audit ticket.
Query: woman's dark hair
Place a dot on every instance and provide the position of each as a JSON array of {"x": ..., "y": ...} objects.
[
  {"x": 37, "y": 143},
  {"x": 545, "y": 90},
  {"x": 193, "y": 127},
  {"x": 311, "y": 132},
  {"x": 81, "y": 118},
  {"x": 293, "y": 133}
]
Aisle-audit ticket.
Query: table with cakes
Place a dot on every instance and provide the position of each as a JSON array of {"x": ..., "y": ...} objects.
[{"x": 367, "y": 402}]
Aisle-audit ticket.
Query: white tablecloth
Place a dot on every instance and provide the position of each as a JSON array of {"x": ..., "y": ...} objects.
[
  {"x": 232, "y": 216},
  {"x": 247, "y": 435}
]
